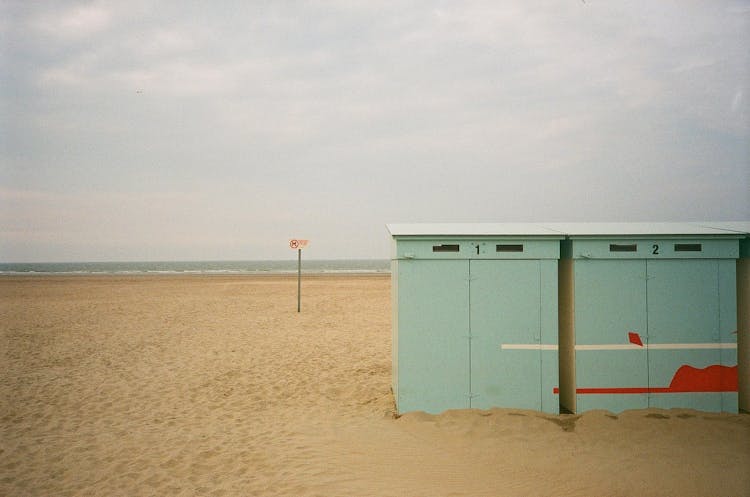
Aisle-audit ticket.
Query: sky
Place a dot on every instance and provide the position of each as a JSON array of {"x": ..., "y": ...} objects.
[{"x": 178, "y": 130}]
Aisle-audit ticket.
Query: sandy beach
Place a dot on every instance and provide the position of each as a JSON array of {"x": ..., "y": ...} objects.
[{"x": 215, "y": 385}]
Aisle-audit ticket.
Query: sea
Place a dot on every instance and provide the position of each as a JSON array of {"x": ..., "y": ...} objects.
[{"x": 340, "y": 266}]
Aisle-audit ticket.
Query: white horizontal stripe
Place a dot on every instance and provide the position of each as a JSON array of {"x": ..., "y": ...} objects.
[
  {"x": 659, "y": 346},
  {"x": 675, "y": 346},
  {"x": 628, "y": 346},
  {"x": 527, "y": 346},
  {"x": 607, "y": 346}
]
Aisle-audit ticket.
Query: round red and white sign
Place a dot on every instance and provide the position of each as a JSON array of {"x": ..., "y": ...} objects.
[{"x": 297, "y": 244}]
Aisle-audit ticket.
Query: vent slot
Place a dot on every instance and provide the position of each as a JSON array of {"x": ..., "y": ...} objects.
[
  {"x": 688, "y": 247},
  {"x": 619, "y": 247},
  {"x": 445, "y": 247},
  {"x": 509, "y": 248}
]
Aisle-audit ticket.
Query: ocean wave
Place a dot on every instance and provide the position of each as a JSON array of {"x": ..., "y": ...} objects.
[{"x": 365, "y": 266}]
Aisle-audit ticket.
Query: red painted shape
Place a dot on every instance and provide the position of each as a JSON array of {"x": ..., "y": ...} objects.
[
  {"x": 635, "y": 338},
  {"x": 617, "y": 390},
  {"x": 715, "y": 378},
  {"x": 622, "y": 390}
]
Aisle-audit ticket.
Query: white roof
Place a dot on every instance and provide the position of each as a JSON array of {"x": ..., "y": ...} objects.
[
  {"x": 636, "y": 229},
  {"x": 739, "y": 226},
  {"x": 470, "y": 229},
  {"x": 568, "y": 229}
]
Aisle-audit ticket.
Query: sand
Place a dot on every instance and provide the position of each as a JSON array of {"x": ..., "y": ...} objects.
[{"x": 198, "y": 385}]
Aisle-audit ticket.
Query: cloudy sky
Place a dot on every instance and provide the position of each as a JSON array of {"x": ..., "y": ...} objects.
[{"x": 172, "y": 130}]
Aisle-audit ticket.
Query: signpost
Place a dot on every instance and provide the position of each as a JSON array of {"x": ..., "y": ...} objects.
[{"x": 297, "y": 244}]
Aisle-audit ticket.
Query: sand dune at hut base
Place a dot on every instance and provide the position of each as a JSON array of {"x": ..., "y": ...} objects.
[{"x": 217, "y": 386}]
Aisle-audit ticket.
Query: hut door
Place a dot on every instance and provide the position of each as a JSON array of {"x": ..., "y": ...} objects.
[
  {"x": 683, "y": 324},
  {"x": 610, "y": 320},
  {"x": 433, "y": 338},
  {"x": 505, "y": 333}
]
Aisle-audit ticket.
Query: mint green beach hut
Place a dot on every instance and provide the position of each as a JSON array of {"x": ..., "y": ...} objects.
[
  {"x": 475, "y": 321},
  {"x": 743, "y": 308},
  {"x": 648, "y": 316}
]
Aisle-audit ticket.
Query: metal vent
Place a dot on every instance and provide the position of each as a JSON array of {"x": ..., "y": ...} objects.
[
  {"x": 688, "y": 247},
  {"x": 509, "y": 248},
  {"x": 617, "y": 247},
  {"x": 446, "y": 247}
]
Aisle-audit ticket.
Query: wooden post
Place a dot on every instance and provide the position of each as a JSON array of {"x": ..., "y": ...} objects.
[
  {"x": 299, "y": 277},
  {"x": 298, "y": 245}
]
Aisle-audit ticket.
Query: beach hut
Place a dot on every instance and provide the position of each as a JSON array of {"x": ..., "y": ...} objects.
[
  {"x": 648, "y": 316},
  {"x": 474, "y": 316},
  {"x": 743, "y": 309}
]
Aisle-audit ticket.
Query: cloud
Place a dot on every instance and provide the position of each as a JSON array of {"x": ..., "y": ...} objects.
[
  {"x": 277, "y": 117},
  {"x": 74, "y": 23}
]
